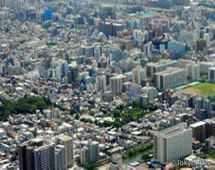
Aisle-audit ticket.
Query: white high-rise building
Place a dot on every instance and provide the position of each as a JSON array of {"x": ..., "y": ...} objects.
[
  {"x": 89, "y": 153},
  {"x": 139, "y": 74},
  {"x": 193, "y": 69},
  {"x": 148, "y": 49},
  {"x": 60, "y": 158},
  {"x": 67, "y": 142},
  {"x": 2, "y": 3},
  {"x": 116, "y": 83},
  {"x": 173, "y": 143},
  {"x": 101, "y": 83},
  {"x": 150, "y": 91},
  {"x": 171, "y": 78}
]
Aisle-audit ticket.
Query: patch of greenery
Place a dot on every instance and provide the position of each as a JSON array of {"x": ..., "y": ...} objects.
[
  {"x": 201, "y": 89},
  {"x": 27, "y": 104},
  {"x": 145, "y": 150},
  {"x": 211, "y": 154},
  {"x": 126, "y": 114},
  {"x": 207, "y": 155}
]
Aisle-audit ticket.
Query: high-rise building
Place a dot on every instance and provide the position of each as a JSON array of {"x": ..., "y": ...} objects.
[
  {"x": 60, "y": 158},
  {"x": 193, "y": 69},
  {"x": 116, "y": 83},
  {"x": 171, "y": 78},
  {"x": 150, "y": 91},
  {"x": 199, "y": 131},
  {"x": 101, "y": 83},
  {"x": 152, "y": 68},
  {"x": 84, "y": 155},
  {"x": 138, "y": 75},
  {"x": 93, "y": 151},
  {"x": 67, "y": 142},
  {"x": 90, "y": 153},
  {"x": 36, "y": 154},
  {"x": 2, "y": 3},
  {"x": 211, "y": 74},
  {"x": 173, "y": 143},
  {"x": 73, "y": 72},
  {"x": 148, "y": 49}
]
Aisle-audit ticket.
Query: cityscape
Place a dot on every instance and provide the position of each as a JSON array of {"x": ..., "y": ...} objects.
[{"x": 107, "y": 85}]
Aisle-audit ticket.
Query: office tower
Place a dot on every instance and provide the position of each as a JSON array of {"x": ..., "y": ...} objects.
[
  {"x": 150, "y": 91},
  {"x": 204, "y": 66},
  {"x": 193, "y": 69},
  {"x": 152, "y": 68},
  {"x": 16, "y": 5},
  {"x": 211, "y": 74},
  {"x": 138, "y": 75},
  {"x": 101, "y": 83},
  {"x": 67, "y": 142},
  {"x": 171, "y": 78},
  {"x": 173, "y": 143},
  {"x": 148, "y": 50},
  {"x": 93, "y": 151},
  {"x": 116, "y": 83},
  {"x": 73, "y": 72},
  {"x": 84, "y": 155},
  {"x": 194, "y": 72},
  {"x": 60, "y": 69},
  {"x": 2, "y": 3},
  {"x": 199, "y": 131},
  {"x": 36, "y": 154},
  {"x": 90, "y": 153},
  {"x": 60, "y": 158}
]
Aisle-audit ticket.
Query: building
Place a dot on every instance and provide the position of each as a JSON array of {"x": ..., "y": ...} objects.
[
  {"x": 67, "y": 142},
  {"x": 73, "y": 72},
  {"x": 84, "y": 156},
  {"x": 150, "y": 91},
  {"x": 138, "y": 75},
  {"x": 173, "y": 143},
  {"x": 36, "y": 154},
  {"x": 199, "y": 131},
  {"x": 116, "y": 162},
  {"x": 171, "y": 78},
  {"x": 116, "y": 84},
  {"x": 152, "y": 68},
  {"x": 204, "y": 66},
  {"x": 90, "y": 153},
  {"x": 101, "y": 83},
  {"x": 193, "y": 69},
  {"x": 2, "y": 3},
  {"x": 194, "y": 72},
  {"x": 60, "y": 158},
  {"x": 211, "y": 74}
]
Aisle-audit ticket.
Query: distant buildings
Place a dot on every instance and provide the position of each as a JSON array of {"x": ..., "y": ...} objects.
[
  {"x": 40, "y": 154},
  {"x": 173, "y": 143}
]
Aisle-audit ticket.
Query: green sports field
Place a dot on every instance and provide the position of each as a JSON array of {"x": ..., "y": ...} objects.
[{"x": 200, "y": 89}]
